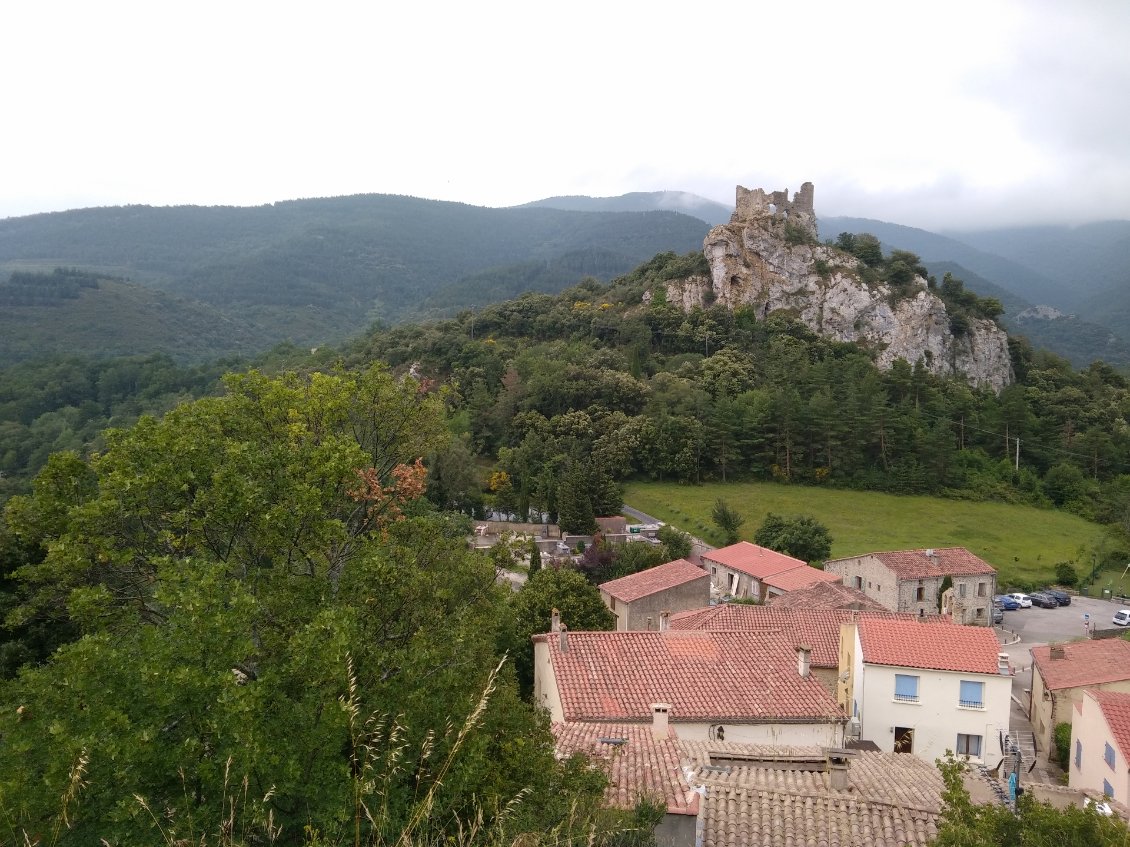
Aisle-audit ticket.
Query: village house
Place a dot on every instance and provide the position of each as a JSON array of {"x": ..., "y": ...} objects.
[
  {"x": 742, "y": 686},
  {"x": 819, "y": 629},
  {"x": 1062, "y": 672},
  {"x": 826, "y": 595},
  {"x": 741, "y": 569},
  {"x": 924, "y": 687},
  {"x": 912, "y": 581},
  {"x": 729, "y": 794},
  {"x": 1100, "y": 744},
  {"x": 638, "y": 600}
]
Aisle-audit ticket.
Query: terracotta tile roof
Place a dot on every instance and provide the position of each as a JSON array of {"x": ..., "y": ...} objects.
[
  {"x": 800, "y": 577},
  {"x": 890, "y": 800},
  {"x": 637, "y": 764},
  {"x": 826, "y": 595},
  {"x": 1115, "y": 706},
  {"x": 1083, "y": 663},
  {"x": 654, "y": 580},
  {"x": 817, "y": 628},
  {"x": 758, "y": 562},
  {"x": 929, "y": 645},
  {"x": 733, "y": 676},
  {"x": 915, "y": 564}
]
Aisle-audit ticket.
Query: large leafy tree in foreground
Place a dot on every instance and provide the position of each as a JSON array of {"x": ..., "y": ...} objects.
[{"x": 253, "y": 577}]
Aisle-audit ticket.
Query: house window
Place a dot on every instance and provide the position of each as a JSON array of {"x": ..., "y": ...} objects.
[
  {"x": 971, "y": 695},
  {"x": 1078, "y": 753},
  {"x": 906, "y": 688},
  {"x": 1108, "y": 755},
  {"x": 969, "y": 745},
  {"x": 1108, "y": 790},
  {"x": 859, "y": 582},
  {"x": 920, "y": 594},
  {"x": 980, "y": 589},
  {"x": 961, "y": 590}
]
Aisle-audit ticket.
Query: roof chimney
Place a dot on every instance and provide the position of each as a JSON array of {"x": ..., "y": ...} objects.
[
  {"x": 555, "y": 621},
  {"x": 659, "y": 716},
  {"x": 837, "y": 763},
  {"x": 1002, "y": 665},
  {"x": 1057, "y": 651},
  {"x": 664, "y": 621},
  {"x": 803, "y": 659},
  {"x": 563, "y": 635}
]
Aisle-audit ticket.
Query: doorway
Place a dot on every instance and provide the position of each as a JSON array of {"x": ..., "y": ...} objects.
[{"x": 904, "y": 739}]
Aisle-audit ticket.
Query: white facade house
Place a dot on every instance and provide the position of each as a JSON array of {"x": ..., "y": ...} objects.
[{"x": 925, "y": 688}]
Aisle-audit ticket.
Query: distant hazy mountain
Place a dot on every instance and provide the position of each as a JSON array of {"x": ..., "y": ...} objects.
[
  {"x": 320, "y": 271},
  {"x": 709, "y": 211}
]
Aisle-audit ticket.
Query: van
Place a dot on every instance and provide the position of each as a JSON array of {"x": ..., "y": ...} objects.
[{"x": 1122, "y": 617}]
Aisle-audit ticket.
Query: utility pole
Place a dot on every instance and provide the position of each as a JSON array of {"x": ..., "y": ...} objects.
[{"x": 1018, "y": 454}]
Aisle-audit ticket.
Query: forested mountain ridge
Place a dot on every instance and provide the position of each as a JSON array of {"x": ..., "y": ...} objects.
[
  {"x": 320, "y": 271},
  {"x": 711, "y": 212}
]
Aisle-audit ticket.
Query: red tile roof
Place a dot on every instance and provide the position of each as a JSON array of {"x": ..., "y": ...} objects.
[
  {"x": 816, "y": 628},
  {"x": 942, "y": 561},
  {"x": 800, "y": 577},
  {"x": 654, "y": 580},
  {"x": 637, "y": 764},
  {"x": 758, "y": 562},
  {"x": 1115, "y": 706},
  {"x": 1084, "y": 663},
  {"x": 928, "y": 645},
  {"x": 732, "y": 676},
  {"x": 826, "y": 595}
]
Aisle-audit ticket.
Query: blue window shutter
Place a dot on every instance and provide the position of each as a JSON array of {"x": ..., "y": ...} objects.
[
  {"x": 906, "y": 686},
  {"x": 972, "y": 693},
  {"x": 1078, "y": 753},
  {"x": 1108, "y": 755},
  {"x": 1108, "y": 790}
]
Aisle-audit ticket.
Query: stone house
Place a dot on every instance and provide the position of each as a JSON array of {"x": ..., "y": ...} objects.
[
  {"x": 755, "y": 687},
  {"x": 1061, "y": 673},
  {"x": 911, "y": 581},
  {"x": 638, "y": 600},
  {"x": 924, "y": 687},
  {"x": 740, "y": 569},
  {"x": 1100, "y": 744}
]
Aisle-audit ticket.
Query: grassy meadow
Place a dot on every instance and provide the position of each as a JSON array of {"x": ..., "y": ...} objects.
[{"x": 1023, "y": 543}]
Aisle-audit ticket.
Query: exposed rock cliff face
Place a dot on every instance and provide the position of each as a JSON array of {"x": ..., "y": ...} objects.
[{"x": 768, "y": 257}]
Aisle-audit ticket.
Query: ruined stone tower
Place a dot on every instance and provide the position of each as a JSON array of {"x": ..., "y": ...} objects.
[{"x": 775, "y": 207}]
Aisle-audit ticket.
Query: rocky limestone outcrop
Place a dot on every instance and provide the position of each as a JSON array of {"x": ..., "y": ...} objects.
[{"x": 768, "y": 257}]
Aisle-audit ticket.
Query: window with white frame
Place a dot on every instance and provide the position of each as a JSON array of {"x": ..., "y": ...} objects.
[
  {"x": 1108, "y": 755},
  {"x": 906, "y": 688},
  {"x": 971, "y": 695},
  {"x": 969, "y": 745}
]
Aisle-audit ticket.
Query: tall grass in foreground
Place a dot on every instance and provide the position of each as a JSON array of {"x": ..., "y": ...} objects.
[{"x": 378, "y": 755}]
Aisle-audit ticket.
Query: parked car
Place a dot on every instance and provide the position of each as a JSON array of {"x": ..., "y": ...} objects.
[
  {"x": 1022, "y": 600},
  {"x": 1043, "y": 600},
  {"x": 1122, "y": 617},
  {"x": 1006, "y": 602},
  {"x": 1061, "y": 597},
  {"x": 998, "y": 614}
]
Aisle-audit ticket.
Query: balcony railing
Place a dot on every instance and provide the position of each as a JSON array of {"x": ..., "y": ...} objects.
[{"x": 906, "y": 698}]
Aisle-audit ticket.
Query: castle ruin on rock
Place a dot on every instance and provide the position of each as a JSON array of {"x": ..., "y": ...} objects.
[{"x": 768, "y": 257}]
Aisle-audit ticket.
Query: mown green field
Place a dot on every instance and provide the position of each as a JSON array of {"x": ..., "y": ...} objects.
[{"x": 1022, "y": 543}]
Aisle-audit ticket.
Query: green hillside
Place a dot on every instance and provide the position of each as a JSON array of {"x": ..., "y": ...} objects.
[{"x": 1022, "y": 542}]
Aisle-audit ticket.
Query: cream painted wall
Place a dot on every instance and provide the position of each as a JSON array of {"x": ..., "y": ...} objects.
[
  {"x": 1091, "y": 729},
  {"x": 1050, "y": 708},
  {"x": 936, "y": 718}
]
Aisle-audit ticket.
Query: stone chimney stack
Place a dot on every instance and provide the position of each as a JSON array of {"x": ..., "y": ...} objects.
[
  {"x": 1057, "y": 652},
  {"x": 838, "y": 762},
  {"x": 803, "y": 660},
  {"x": 659, "y": 719},
  {"x": 563, "y": 635},
  {"x": 555, "y": 621},
  {"x": 1002, "y": 664},
  {"x": 664, "y": 621}
]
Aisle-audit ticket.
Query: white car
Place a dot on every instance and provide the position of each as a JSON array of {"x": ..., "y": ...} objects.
[
  {"x": 1122, "y": 617},
  {"x": 1023, "y": 599}
]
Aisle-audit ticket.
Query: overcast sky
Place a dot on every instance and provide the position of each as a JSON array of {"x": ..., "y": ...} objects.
[{"x": 939, "y": 115}]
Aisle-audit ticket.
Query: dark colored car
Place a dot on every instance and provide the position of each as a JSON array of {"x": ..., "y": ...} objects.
[
  {"x": 998, "y": 614},
  {"x": 1043, "y": 600},
  {"x": 1061, "y": 597},
  {"x": 1005, "y": 602}
]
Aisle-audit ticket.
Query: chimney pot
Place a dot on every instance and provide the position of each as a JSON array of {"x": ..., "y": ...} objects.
[
  {"x": 664, "y": 621},
  {"x": 803, "y": 659},
  {"x": 660, "y": 714},
  {"x": 563, "y": 635},
  {"x": 555, "y": 621}
]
